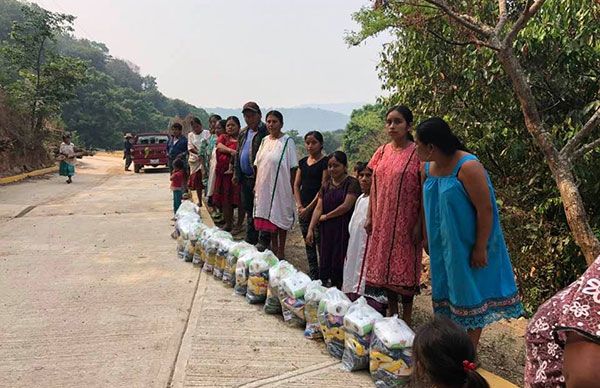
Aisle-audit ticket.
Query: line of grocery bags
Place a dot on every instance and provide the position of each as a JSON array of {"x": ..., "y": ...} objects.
[{"x": 353, "y": 332}]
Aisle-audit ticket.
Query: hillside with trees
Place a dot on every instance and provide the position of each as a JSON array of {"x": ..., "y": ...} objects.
[{"x": 51, "y": 81}]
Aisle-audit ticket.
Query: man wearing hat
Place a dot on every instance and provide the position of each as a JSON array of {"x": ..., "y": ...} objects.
[
  {"x": 248, "y": 142},
  {"x": 127, "y": 149}
]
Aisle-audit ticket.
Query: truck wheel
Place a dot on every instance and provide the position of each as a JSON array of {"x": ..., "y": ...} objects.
[{"x": 137, "y": 168}]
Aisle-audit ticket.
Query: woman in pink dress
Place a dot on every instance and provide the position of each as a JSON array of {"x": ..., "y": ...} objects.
[{"x": 394, "y": 219}]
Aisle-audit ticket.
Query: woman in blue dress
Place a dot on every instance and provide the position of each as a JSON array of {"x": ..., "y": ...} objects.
[{"x": 471, "y": 274}]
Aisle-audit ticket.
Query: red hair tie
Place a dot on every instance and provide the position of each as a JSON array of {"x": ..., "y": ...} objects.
[{"x": 467, "y": 365}]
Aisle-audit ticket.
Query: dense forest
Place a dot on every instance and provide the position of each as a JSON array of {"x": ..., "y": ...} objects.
[
  {"x": 431, "y": 66},
  {"x": 61, "y": 82}
]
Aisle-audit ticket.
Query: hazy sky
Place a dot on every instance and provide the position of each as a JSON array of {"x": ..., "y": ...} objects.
[{"x": 224, "y": 52}]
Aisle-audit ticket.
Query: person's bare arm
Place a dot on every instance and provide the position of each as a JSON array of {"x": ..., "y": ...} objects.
[
  {"x": 372, "y": 209},
  {"x": 293, "y": 172},
  {"x": 344, "y": 208},
  {"x": 473, "y": 177},
  {"x": 297, "y": 185},
  {"x": 314, "y": 221},
  {"x": 222, "y": 148},
  {"x": 580, "y": 362}
]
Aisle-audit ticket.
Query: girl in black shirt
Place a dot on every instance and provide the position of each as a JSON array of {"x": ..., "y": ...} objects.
[{"x": 312, "y": 172}]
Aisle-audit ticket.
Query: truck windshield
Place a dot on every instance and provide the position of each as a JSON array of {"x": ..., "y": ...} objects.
[{"x": 153, "y": 139}]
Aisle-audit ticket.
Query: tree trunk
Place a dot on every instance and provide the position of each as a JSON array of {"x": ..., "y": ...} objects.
[
  {"x": 560, "y": 167},
  {"x": 38, "y": 71}
]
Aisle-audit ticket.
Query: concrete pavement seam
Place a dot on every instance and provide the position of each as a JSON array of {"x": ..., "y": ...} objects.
[
  {"x": 175, "y": 367},
  {"x": 291, "y": 374}
]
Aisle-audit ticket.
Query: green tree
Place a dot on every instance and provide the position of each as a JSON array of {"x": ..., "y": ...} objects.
[
  {"x": 364, "y": 132},
  {"x": 445, "y": 60},
  {"x": 45, "y": 78}
]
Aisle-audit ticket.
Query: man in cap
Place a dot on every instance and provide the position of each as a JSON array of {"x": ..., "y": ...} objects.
[
  {"x": 248, "y": 142},
  {"x": 127, "y": 150}
]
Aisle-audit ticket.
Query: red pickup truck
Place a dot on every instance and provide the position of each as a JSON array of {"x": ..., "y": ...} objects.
[{"x": 150, "y": 149}]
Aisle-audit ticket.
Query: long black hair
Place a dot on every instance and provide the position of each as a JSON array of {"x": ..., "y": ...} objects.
[
  {"x": 437, "y": 132},
  {"x": 277, "y": 114},
  {"x": 407, "y": 114},
  {"x": 340, "y": 156},
  {"x": 444, "y": 354},
  {"x": 234, "y": 119},
  {"x": 318, "y": 137}
]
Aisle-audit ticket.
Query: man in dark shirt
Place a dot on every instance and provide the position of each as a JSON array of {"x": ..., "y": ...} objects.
[
  {"x": 127, "y": 150},
  {"x": 248, "y": 142},
  {"x": 177, "y": 147}
]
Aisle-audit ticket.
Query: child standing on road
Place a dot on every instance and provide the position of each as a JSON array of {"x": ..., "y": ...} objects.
[
  {"x": 177, "y": 181},
  {"x": 354, "y": 265}
]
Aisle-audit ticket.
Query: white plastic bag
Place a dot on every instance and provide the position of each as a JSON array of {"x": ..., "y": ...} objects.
[
  {"x": 358, "y": 327},
  {"x": 312, "y": 296},
  {"x": 332, "y": 308},
  {"x": 235, "y": 252},
  {"x": 241, "y": 272},
  {"x": 277, "y": 273},
  {"x": 292, "y": 303},
  {"x": 258, "y": 276},
  {"x": 391, "y": 352}
]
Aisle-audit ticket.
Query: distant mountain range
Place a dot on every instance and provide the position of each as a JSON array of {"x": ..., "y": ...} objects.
[
  {"x": 344, "y": 107},
  {"x": 303, "y": 119}
]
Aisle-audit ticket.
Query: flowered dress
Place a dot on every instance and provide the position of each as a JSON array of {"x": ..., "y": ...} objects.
[
  {"x": 225, "y": 191},
  {"x": 471, "y": 297},
  {"x": 393, "y": 260},
  {"x": 574, "y": 309}
]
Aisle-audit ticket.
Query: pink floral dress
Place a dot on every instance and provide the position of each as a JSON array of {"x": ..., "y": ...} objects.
[
  {"x": 577, "y": 309},
  {"x": 393, "y": 261}
]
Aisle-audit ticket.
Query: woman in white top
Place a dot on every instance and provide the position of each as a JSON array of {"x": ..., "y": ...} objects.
[
  {"x": 276, "y": 164},
  {"x": 68, "y": 158}
]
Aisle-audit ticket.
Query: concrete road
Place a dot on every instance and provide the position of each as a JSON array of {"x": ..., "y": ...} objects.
[{"x": 91, "y": 293}]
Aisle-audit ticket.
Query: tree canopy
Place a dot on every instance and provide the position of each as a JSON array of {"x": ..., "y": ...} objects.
[
  {"x": 438, "y": 67},
  {"x": 76, "y": 82}
]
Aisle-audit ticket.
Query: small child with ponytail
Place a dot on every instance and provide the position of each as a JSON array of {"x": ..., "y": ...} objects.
[{"x": 444, "y": 355}]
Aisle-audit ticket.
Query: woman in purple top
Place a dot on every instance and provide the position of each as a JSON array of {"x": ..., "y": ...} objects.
[{"x": 333, "y": 213}]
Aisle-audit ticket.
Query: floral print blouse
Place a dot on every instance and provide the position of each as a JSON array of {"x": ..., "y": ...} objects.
[{"x": 577, "y": 309}]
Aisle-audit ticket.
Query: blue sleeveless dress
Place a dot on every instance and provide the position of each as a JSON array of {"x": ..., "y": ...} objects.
[{"x": 473, "y": 298}]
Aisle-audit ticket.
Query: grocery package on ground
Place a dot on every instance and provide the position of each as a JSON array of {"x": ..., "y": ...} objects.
[
  {"x": 212, "y": 248},
  {"x": 291, "y": 293},
  {"x": 390, "y": 356},
  {"x": 202, "y": 245},
  {"x": 235, "y": 252},
  {"x": 186, "y": 208},
  {"x": 358, "y": 327},
  {"x": 312, "y": 297},
  {"x": 222, "y": 251},
  {"x": 188, "y": 252},
  {"x": 258, "y": 276},
  {"x": 277, "y": 273},
  {"x": 242, "y": 268},
  {"x": 332, "y": 308}
]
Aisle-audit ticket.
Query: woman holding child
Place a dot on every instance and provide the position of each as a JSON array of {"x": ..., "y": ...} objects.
[
  {"x": 227, "y": 194},
  {"x": 394, "y": 217}
]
